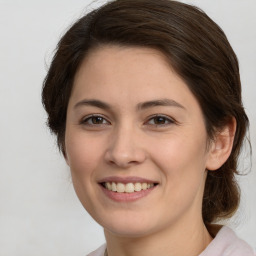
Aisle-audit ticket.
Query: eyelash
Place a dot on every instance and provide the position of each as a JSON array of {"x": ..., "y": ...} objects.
[
  {"x": 89, "y": 120},
  {"x": 164, "y": 118},
  {"x": 85, "y": 121}
]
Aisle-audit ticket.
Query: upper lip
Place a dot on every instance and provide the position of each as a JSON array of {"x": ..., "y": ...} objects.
[{"x": 125, "y": 180}]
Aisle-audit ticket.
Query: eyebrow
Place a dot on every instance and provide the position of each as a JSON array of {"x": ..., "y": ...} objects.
[
  {"x": 159, "y": 102},
  {"x": 140, "y": 106},
  {"x": 94, "y": 103}
]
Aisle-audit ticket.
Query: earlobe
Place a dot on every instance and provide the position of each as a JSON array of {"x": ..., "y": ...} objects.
[{"x": 222, "y": 145}]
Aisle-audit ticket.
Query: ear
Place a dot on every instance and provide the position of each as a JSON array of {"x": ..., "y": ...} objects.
[{"x": 221, "y": 146}]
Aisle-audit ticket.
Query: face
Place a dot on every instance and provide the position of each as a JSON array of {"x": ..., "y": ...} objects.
[{"x": 134, "y": 126}]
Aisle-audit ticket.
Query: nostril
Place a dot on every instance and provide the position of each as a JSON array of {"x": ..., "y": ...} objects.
[{"x": 124, "y": 153}]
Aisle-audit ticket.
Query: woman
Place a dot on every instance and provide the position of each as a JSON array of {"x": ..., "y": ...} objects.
[{"x": 145, "y": 99}]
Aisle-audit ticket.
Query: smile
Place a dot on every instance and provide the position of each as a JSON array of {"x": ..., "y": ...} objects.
[{"x": 127, "y": 187}]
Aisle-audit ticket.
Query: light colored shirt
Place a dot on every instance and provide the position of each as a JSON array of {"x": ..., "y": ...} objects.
[{"x": 225, "y": 243}]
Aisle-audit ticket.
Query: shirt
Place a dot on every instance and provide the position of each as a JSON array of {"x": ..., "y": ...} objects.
[{"x": 225, "y": 243}]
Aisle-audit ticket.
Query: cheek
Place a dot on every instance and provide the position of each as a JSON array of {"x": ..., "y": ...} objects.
[
  {"x": 182, "y": 160},
  {"x": 83, "y": 153},
  {"x": 180, "y": 150}
]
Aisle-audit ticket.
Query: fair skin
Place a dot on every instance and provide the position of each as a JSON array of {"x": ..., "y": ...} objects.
[{"x": 147, "y": 127}]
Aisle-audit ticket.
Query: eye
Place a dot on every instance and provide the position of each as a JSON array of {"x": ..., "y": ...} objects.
[
  {"x": 95, "y": 120},
  {"x": 160, "y": 120}
]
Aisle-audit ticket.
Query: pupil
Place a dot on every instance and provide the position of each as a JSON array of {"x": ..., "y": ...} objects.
[
  {"x": 159, "y": 120},
  {"x": 97, "y": 120}
]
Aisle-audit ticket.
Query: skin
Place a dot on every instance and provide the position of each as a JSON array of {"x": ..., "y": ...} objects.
[{"x": 126, "y": 140}]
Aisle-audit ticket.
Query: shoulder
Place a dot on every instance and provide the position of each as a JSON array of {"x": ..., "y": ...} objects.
[
  {"x": 99, "y": 252},
  {"x": 227, "y": 243}
]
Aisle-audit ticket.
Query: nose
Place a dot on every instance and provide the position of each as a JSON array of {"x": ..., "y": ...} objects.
[{"x": 125, "y": 149}]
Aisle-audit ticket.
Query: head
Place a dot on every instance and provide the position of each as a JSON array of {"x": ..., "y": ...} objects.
[{"x": 196, "y": 50}]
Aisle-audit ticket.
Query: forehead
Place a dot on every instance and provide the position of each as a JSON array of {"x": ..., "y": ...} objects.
[
  {"x": 116, "y": 61},
  {"x": 128, "y": 75},
  {"x": 111, "y": 63}
]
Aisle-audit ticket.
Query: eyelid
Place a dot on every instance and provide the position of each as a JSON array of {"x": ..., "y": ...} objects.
[
  {"x": 168, "y": 118},
  {"x": 85, "y": 118}
]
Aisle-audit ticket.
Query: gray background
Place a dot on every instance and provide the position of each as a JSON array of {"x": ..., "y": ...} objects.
[{"x": 39, "y": 212}]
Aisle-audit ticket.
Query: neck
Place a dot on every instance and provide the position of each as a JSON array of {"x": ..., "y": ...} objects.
[{"x": 179, "y": 240}]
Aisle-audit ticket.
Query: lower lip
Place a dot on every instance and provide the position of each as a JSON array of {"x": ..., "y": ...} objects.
[{"x": 126, "y": 197}]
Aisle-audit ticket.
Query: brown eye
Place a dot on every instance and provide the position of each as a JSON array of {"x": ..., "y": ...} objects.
[
  {"x": 160, "y": 120},
  {"x": 95, "y": 120}
]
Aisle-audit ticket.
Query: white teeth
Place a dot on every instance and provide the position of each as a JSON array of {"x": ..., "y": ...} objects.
[
  {"x": 120, "y": 187},
  {"x": 108, "y": 186},
  {"x": 127, "y": 188},
  {"x": 137, "y": 187},
  {"x": 114, "y": 187},
  {"x": 144, "y": 186}
]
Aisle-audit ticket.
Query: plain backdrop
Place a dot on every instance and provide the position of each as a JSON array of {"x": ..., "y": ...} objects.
[{"x": 39, "y": 212}]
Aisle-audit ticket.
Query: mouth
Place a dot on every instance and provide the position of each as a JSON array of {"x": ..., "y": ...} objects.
[{"x": 128, "y": 187}]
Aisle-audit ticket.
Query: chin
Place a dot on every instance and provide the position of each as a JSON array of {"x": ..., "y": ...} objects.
[
  {"x": 128, "y": 231},
  {"x": 128, "y": 226}
]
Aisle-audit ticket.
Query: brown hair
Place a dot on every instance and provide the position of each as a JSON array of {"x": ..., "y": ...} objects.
[{"x": 197, "y": 49}]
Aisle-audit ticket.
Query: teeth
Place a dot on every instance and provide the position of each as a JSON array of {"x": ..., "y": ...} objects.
[
  {"x": 127, "y": 188},
  {"x": 144, "y": 186},
  {"x": 109, "y": 186},
  {"x": 137, "y": 187},
  {"x": 120, "y": 187},
  {"x": 114, "y": 187}
]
